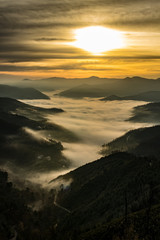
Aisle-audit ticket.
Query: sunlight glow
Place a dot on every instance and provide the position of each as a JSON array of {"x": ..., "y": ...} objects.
[{"x": 97, "y": 39}]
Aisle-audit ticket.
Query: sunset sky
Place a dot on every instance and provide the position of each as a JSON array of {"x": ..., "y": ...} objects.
[{"x": 38, "y": 38}]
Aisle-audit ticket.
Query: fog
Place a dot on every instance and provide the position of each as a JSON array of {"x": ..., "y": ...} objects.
[
  {"x": 36, "y": 135},
  {"x": 44, "y": 179},
  {"x": 95, "y": 123}
]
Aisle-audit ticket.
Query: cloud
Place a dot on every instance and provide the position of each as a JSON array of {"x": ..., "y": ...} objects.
[
  {"x": 33, "y": 30},
  {"x": 54, "y": 39},
  {"x": 36, "y": 135},
  {"x": 60, "y": 183},
  {"x": 44, "y": 179},
  {"x": 103, "y": 63},
  {"x": 94, "y": 122}
]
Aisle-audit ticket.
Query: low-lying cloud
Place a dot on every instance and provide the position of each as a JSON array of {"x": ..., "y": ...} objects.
[
  {"x": 95, "y": 122},
  {"x": 36, "y": 135}
]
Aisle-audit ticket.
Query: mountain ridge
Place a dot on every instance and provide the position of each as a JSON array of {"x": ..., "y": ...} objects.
[
  {"x": 21, "y": 93},
  {"x": 150, "y": 96}
]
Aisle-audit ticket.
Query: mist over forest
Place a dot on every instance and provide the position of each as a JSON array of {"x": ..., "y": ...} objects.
[{"x": 49, "y": 168}]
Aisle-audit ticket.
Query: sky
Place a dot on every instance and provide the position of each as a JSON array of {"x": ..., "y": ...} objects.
[{"x": 37, "y": 38}]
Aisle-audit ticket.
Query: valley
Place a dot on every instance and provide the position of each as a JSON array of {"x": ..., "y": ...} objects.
[{"x": 50, "y": 149}]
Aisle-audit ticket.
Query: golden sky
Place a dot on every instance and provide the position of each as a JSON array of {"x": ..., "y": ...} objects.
[{"x": 38, "y": 38}]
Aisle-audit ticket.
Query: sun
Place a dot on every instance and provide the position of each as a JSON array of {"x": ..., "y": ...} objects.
[{"x": 97, "y": 39}]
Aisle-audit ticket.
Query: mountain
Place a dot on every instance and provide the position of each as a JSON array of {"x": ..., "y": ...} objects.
[
  {"x": 149, "y": 113},
  {"x": 111, "y": 98},
  {"x": 27, "y": 140},
  {"x": 54, "y": 83},
  {"x": 21, "y": 93},
  {"x": 15, "y": 112},
  {"x": 105, "y": 190},
  {"x": 142, "y": 142},
  {"x": 25, "y": 150},
  {"x": 16, "y": 107},
  {"x": 83, "y": 90},
  {"x": 103, "y": 87},
  {"x": 150, "y": 96},
  {"x": 115, "y": 197},
  {"x": 143, "y": 223},
  {"x": 19, "y": 216}
]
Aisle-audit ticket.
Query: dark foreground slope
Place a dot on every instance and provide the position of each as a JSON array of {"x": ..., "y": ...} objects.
[
  {"x": 108, "y": 189},
  {"x": 27, "y": 140},
  {"x": 20, "y": 214},
  {"x": 142, "y": 224},
  {"x": 116, "y": 197},
  {"x": 21, "y": 93}
]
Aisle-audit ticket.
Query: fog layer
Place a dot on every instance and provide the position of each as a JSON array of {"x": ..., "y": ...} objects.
[{"x": 95, "y": 122}]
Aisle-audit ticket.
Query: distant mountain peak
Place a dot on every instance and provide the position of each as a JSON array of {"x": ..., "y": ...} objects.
[
  {"x": 134, "y": 77},
  {"x": 26, "y": 79},
  {"x": 137, "y": 78},
  {"x": 93, "y": 77}
]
